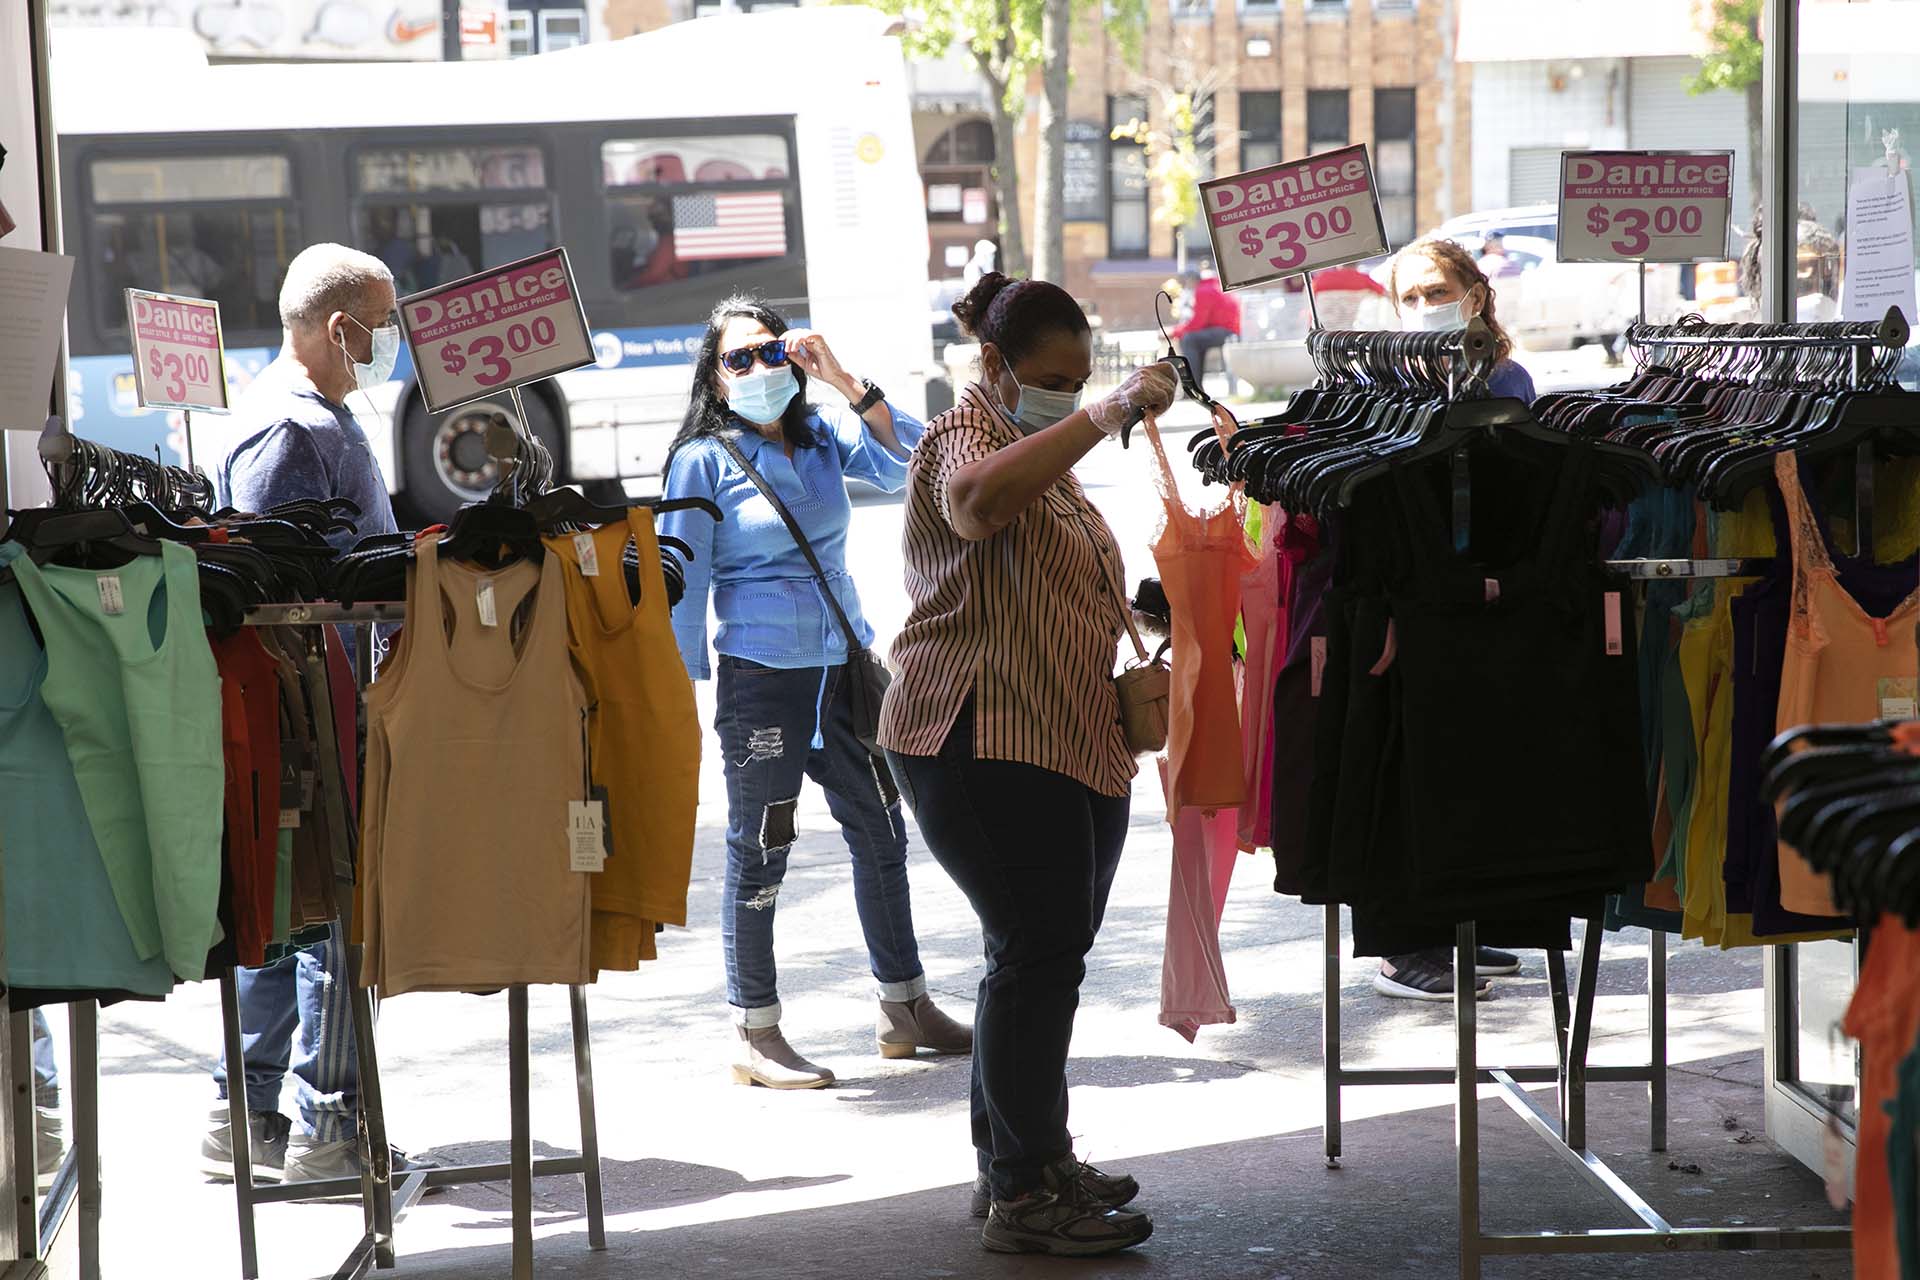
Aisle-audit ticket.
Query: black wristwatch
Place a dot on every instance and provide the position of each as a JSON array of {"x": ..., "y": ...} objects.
[{"x": 873, "y": 397}]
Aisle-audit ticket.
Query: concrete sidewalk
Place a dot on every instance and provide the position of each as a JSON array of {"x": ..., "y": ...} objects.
[{"x": 704, "y": 1178}]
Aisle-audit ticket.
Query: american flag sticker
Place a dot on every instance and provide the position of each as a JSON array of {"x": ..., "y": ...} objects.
[{"x": 733, "y": 225}]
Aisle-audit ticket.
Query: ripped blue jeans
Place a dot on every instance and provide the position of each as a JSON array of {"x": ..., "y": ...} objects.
[{"x": 765, "y": 717}]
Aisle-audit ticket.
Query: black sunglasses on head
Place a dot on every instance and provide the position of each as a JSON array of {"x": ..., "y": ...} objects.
[{"x": 771, "y": 354}]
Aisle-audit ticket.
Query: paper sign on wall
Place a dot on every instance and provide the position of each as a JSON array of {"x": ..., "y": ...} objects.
[
  {"x": 33, "y": 313},
  {"x": 179, "y": 359},
  {"x": 1294, "y": 217},
  {"x": 1645, "y": 206},
  {"x": 1879, "y": 245},
  {"x": 501, "y": 329}
]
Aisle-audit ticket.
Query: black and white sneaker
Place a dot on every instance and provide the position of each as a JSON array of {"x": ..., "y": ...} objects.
[
  {"x": 1423, "y": 975},
  {"x": 1115, "y": 1190},
  {"x": 1490, "y": 963},
  {"x": 1062, "y": 1217}
]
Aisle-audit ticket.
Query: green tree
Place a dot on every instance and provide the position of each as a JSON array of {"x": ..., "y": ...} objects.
[
  {"x": 1178, "y": 151},
  {"x": 1008, "y": 41},
  {"x": 1735, "y": 61}
]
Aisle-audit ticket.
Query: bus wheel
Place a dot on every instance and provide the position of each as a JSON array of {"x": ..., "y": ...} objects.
[{"x": 444, "y": 456}]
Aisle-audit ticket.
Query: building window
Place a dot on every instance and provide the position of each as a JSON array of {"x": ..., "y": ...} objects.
[
  {"x": 1259, "y": 129},
  {"x": 1260, "y": 8},
  {"x": 562, "y": 29},
  {"x": 1128, "y": 223},
  {"x": 1330, "y": 8},
  {"x": 969, "y": 142},
  {"x": 1192, "y": 8},
  {"x": 520, "y": 33},
  {"x": 1393, "y": 6},
  {"x": 1326, "y": 120},
  {"x": 1394, "y": 169}
]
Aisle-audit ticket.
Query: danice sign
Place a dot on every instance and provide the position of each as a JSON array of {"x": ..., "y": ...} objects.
[
  {"x": 1645, "y": 206},
  {"x": 178, "y": 362},
  {"x": 1294, "y": 217},
  {"x": 497, "y": 330}
]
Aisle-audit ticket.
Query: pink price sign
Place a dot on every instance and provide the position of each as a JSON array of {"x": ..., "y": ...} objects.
[
  {"x": 178, "y": 358},
  {"x": 1294, "y": 217},
  {"x": 495, "y": 331},
  {"x": 1645, "y": 206}
]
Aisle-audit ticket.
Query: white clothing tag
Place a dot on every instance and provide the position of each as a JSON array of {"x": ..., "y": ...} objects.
[
  {"x": 483, "y": 597},
  {"x": 583, "y": 546},
  {"x": 289, "y": 819},
  {"x": 112, "y": 603},
  {"x": 586, "y": 847},
  {"x": 1899, "y": 698}
]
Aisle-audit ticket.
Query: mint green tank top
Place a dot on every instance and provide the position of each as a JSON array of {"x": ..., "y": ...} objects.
[{"x": 131, "y": 682}]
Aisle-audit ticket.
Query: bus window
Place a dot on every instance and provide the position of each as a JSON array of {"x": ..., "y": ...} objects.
[
  {"x": 207, "y": 226},
  {"x": 680, "y": 207},
  {"x": 434, "y": 214}
]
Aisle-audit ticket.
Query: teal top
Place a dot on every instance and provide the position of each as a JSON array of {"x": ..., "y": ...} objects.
[
  {"x": 64, "y": 929},
  {"x": 131, "y": 683}
]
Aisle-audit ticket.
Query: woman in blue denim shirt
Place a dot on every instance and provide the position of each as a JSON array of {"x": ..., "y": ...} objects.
[{"x": 783, "y": 713}]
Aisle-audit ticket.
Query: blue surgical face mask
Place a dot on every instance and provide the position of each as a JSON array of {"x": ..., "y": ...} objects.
[
  {"x": 762, "y": 395},
  {"x": 1038, "y": 408},
  {"x": 386, "y": 352}
]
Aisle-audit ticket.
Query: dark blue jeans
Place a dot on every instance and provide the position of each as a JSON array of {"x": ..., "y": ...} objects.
[
  {"x": 766, "y": 718},
  {"x": 296, "y": 1014},
  {"x": 1035, "y": 852}
]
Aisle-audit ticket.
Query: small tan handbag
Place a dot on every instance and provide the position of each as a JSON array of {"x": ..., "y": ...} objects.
[{"x": 1145, "y": 690}]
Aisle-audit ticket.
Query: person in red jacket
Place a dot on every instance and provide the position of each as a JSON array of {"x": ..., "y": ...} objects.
[{"x": 1214, "y": 319}]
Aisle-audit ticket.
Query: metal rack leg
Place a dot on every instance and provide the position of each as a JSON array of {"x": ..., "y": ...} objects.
[
  {"x": 1573, "y": 1114},
  {"x": 239, "y": 1131},
  {"x": 1562, "y": 1010},
  {"x": 20, "y": 1065},
  {"x": 377, "y": 1184},
  {"x": 589, "y": 1124},
  {"x": 1330, "y": 1066},
  {"x": 84, "y": 1025},
  {"x": 1657, "y": 1038},
  {"x": 1466, "y": 1113},
  {"x": 521, "y": 1155}
]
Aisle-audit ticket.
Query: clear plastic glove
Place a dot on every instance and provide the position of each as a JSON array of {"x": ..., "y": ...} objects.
[{"x": 1148, "y": 390}]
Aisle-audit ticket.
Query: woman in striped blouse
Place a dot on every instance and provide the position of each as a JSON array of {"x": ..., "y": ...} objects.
[{"x": 1003, "y": 730}]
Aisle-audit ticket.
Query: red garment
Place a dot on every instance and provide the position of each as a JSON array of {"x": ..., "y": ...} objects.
[
  {"x": 1884, "y": 1016},
  {"x": 1262, "y": 617},
  {"x": 1212, "y": 309},
  {"x": 250, "y": 717},
  {"x": 1193, "y": 979},
  {"x": 1335, "y": 279}
]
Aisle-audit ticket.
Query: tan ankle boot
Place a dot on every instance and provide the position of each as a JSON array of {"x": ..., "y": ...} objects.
[
  {"x": 907, "y": 1026},
  {"x": 767, "y": 1059}
]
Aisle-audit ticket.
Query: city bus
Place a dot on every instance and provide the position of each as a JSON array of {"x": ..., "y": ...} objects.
[{"x": 770, "y": 153}]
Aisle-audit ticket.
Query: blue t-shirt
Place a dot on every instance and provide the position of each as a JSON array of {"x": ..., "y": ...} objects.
[
  {"x": 292, "y": 444},
  {"x": 766, "y": 598},
  {"x": 1511, "y": 379}
]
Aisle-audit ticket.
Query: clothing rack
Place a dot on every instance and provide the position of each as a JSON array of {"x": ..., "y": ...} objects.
[
  {"x": 1448, "y": 363},
  {"x": 384, "y": 1204}
]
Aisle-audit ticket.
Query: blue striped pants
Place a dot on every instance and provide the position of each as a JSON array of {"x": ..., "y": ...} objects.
[{"x": 296, "y": 1014}]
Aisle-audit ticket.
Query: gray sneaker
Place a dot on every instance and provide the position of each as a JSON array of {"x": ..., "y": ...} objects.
[
  {"x": 1062, "y": 1217},
  {"x": 1115, "y": 1190},
  {"x": 311, "y": 1160},
  {"x": 269, "y": 1129}
]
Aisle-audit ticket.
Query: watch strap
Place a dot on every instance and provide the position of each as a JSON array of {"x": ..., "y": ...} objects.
[{"x": 873, "y": 397}]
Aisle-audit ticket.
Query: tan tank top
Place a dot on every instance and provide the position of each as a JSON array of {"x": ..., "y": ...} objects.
[
  {"x": 1844, "y": 666},
  {"x": 477, "y": 745}
]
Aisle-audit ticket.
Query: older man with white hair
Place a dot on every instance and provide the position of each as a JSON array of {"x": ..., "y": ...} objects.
[{"x": 297, "y": 439}]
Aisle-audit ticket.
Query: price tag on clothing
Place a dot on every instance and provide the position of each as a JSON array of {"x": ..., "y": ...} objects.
[
  {"x": 1616, "y": 635},
  {"x": 488, "y": 333},
  {"x": 112, "y": 603},
  {"x": 586, "y": 842},
  {"x": 483, "y": 600},
  {"x": 178, "y": 361},
  {"x": 1645, "y": 206},
  {"x": 589, "y": 554},
  {"x": 1294, "y": 217},
  {"x": 1899, "y": 698}
]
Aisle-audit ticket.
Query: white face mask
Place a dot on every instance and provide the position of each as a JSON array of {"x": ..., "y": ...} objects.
[
  {"x": 386, "y": 353},
  {"x": 1038, "y": 408},
  {"x": 1448, "y": 317}
]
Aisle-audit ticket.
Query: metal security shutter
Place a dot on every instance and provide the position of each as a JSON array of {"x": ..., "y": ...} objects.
[
  {"x": 1533, "y": 175},
  {"x": 1663, "y": 116}
]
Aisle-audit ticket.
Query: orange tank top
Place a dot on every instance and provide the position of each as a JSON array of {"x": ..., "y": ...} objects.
[
  {"x": 643, "y": 734},
  {"x": 1844, "y": 666},
  {"x": 477, "y": 744},
  {"x": 1203, "y": 558}
]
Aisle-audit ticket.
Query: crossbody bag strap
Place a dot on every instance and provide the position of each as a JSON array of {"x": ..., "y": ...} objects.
[{"x": 800, "y": 540}]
